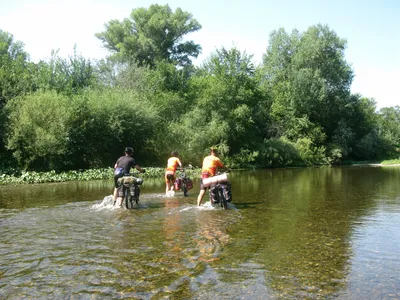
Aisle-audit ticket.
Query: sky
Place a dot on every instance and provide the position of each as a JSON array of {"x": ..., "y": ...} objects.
[{"x": 371, "y": 29}]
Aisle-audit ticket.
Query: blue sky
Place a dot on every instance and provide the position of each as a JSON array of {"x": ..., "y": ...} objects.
[{"x": 371, "y": 28}]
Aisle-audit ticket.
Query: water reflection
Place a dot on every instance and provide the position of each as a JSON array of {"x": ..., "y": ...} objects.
[
  {"x": 306, "y": 225},
  {"x": 290, "y": 233}
]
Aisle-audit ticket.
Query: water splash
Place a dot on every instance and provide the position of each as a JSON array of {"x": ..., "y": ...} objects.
[
  {"x": 107, "y": 203},
  {"x": 208, "y": 206}
]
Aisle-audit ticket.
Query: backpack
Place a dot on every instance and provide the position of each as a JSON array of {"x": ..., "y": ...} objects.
[{"x": 119, "y": 172}]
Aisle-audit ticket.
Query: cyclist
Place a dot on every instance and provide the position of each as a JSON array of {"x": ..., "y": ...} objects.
[
  {"x": 172, "y": 164},
  {"x": 210, "y": 165},
  {"x": 123, "y": 167}
]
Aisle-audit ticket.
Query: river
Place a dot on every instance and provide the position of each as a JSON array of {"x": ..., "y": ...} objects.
[{"x": 301, "y": 233}]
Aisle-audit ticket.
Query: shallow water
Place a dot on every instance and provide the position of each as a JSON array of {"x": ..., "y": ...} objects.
[{"x": 289, "y": 233}]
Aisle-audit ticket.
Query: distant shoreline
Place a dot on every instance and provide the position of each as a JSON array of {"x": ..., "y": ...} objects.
[{"x": 373, "y": 165}]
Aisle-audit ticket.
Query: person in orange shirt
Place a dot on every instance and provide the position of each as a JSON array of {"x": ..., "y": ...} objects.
[
  {"x": 210, "y": 165},
  {"x": 172, "y": 165}
]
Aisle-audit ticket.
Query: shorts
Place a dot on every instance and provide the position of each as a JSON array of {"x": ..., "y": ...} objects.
[
  {"x": 116, "y": 184},
  {"x": 203, "y": 175},
  {"x": 119, "y": 186},
  {"x": 169, "y": 176}
]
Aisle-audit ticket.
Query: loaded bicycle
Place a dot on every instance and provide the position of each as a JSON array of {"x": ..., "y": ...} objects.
[
  {"x": 131, "y": 188},
  {"x": 219, "y": 189},
  {"x": 183, "y": 182}
]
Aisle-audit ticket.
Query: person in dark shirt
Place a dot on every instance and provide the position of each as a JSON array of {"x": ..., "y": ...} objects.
[{"x": 123, "y": 167}]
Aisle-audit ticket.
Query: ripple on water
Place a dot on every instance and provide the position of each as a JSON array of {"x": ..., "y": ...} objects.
[{"x": 290, "y": 234}]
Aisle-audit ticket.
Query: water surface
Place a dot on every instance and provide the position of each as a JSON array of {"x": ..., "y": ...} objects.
[{"x": 289, "y": 233}]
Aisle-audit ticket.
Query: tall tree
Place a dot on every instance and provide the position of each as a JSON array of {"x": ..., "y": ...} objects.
[
  {"x": 389, "y": 125},
  {"x": 15, "y": 77},
  {"x": 67, "y": 76},
  {"x": 225, "y": 108},
  {"x": 152, "y": 35},
  {"x": 309, "y": 77},
  {"x": 15, "y": 80}
]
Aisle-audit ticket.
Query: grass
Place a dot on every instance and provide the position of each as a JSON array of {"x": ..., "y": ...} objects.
[{"x": 391, "y": 162}]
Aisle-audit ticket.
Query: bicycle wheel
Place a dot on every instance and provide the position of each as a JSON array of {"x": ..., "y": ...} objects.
[
  {"x": 127, "y": 196},
  {"x": 222, "y": 199},
  {"x": 184, "y": 188},
  {"x": 137, "y": 193}
]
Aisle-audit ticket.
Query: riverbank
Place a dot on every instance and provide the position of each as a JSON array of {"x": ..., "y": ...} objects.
[
  {"x": 374, "y": 165},
  {"x": 384, "y": 163},
  {"x": 33, "y": 177}
]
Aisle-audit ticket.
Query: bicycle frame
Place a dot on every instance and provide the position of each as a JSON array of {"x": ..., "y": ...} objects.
[
  {"x": 183, "y": 183},
  {"x": 219, "y": 193},
  {"x": 131, "y": 189}
]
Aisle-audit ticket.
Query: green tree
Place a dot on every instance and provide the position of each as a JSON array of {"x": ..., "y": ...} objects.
[
  {"x": 309, "y": 76},
  {"x": 48, "y": 130},
  {"x": 37, "y": 129},
  {"x": 225, "y": 107},
  {"x": 68, "y": 76},
  {"x": 152, "y": 35},
  {"x": 15, "y": 75},
  {"x": 15, "y": 80},
  {"x": 388, "y": 129}
]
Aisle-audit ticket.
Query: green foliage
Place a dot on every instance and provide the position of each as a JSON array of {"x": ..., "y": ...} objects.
[
  {"x": 106, "y": 122},
  {"x": 51, "y": 131},
  {"x": 83, "y": 175},
  {"x": 309, "y": 153},
  {"x": 152, "y": 35},
  {"x": 15, "y": 69},
  {"x": 68, "y": 76},
  {"x": 225, "y": 101},
  {"x": 53, "y": 176},
  {"x": 295, "y": 109},
  {"x": 37, "y": 126},
  {"x": 245, "y": 159},
  {"x": 389, "y": 125},
  {"x": 391, "y": 161},
  {"x": 308, "y": 76},
  {"x": 15, "y": 80},
  {"x": 334, "y": 154},
  {"x": 274, "y": 153},
  {"x": 277, "y": 153}
]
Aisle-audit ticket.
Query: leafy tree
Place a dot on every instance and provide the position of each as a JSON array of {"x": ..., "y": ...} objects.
[
  {"x": 309, "y": 76},
  {"x": 15, "y": 80},
  {"x": 49, "y": 130},
  {"x": 389, "y": 124},
  {"x": 15, "y": 77},
  {"x": 105, "y": 121},
  {"x": 152, "y": 35},
  {"x": 225, "y": 108},
  {"x": 37, "y": 132},
  {"x": 67, "y": 76}
]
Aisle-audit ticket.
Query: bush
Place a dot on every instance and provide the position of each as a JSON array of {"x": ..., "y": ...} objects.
[
  {"x": 309, "y": 153},
  {"x": 278, "y": 152},
  {"x": 334, "y": 154},
  {"x": 50, "y": 131},
  {"x": 37, "y": 129}
]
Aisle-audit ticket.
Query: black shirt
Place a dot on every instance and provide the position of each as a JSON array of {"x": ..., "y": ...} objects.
[{"x": 126, "y": 162}]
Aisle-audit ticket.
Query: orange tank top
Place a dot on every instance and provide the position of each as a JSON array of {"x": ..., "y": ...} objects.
[
  {"x": 210, "y": 164},
  {"x": 173, "y": 163}
]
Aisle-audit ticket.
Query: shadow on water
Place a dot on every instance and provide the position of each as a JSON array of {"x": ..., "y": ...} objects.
[{"x": 289, "y": 234}]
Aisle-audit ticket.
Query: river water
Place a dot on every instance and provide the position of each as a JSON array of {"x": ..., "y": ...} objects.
[{"x": 314, "y": 233}]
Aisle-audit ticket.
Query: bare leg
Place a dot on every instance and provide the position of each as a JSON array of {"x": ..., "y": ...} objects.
[
  {"x": 115, "y": 194},
  {"x": 118, "y": 203},
  {"x": 167, "y": 187},
  {"x": 200, "y": 197}
]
